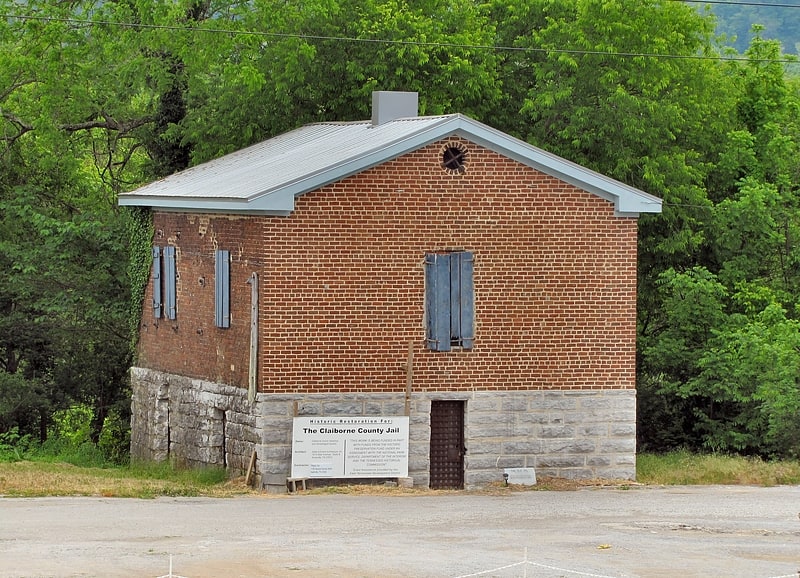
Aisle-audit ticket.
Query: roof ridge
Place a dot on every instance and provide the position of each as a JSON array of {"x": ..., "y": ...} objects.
[{"x": 428, "y": 117}]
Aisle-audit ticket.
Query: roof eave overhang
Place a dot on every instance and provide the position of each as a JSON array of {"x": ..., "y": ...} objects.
[{"x": 280, "y": 204}]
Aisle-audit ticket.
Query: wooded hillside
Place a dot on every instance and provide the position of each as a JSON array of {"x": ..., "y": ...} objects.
[{"x": 780, "y": 19}]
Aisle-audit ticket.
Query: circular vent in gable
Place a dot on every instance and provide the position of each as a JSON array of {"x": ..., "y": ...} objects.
[{"x": 454, "y": 158}]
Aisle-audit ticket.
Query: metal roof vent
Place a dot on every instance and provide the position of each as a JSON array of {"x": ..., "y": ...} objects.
[{"x": 388, "y": 106}]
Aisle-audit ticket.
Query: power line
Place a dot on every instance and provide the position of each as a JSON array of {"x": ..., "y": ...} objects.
[
  {"x": 726, "y": 3},
  {"x": 399, "y": 42},
  {"x": 732, "y": 3}
]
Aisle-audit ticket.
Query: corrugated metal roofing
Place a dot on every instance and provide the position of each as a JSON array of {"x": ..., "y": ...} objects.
[{"x": 266, "y": 177}]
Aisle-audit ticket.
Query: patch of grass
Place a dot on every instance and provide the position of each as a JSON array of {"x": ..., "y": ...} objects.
[
  {"x": 686, "y": 468},
  {"x": 49, "y": 477},
  {"x": 37, "y": 479},
  {"x": 61, "y": 450},
  {"x": 168, "y": 471},
  {"x": 14, "y": 447},
  {"x": 62, "y": 466}
]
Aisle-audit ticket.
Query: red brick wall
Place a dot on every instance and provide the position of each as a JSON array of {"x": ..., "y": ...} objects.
[
  {"x": 190, "y": 344},
  {"x": 342, "y": 284}
]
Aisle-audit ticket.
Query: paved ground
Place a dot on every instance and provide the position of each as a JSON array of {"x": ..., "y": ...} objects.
[{"x": 667, "y": 532}]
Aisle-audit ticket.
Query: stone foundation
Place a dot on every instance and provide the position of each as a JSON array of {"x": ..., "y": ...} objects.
[{"x": 567, "y": 434}]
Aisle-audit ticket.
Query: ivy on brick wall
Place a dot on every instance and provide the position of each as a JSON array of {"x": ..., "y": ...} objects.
[{"x": 140, "y": 235}]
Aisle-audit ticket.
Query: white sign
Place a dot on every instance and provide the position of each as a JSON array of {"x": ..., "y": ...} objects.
[
  {"x": 522, "y": 476},
  {"x": 350, "y": 447}
]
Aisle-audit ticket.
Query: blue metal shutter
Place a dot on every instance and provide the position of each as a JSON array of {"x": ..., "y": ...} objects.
[
  {"x": 462, "y": 299},
  {"x": 170, "y": 281},
  {"x": 157, "y": 305},
  {"x": 222, "y": 289},
  {"x": 437, "y": 299}
]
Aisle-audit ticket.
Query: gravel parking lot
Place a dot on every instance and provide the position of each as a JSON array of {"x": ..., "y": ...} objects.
[{"x": 650, "y": 532}]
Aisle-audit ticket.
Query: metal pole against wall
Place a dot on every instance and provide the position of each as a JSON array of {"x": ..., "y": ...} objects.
[
  {"x": 253, "y": 373},
  {"x": 409, "y": 377}
]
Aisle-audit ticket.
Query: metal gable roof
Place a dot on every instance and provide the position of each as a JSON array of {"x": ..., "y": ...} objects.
[{"x": 266, "y": 177}]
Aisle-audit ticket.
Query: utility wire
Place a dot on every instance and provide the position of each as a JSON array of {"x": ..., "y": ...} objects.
[
  {"x": 400, "y": 42},
  {"x": 732, "y": 3}
]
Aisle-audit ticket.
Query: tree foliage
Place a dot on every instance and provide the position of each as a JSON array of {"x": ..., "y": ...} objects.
[
  {"x": 734, "y": 365},
  {"x": 99, "y": 97}
]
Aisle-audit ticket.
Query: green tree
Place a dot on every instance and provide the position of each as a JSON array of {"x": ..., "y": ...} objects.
[
  {"x": 66, "y": 146},
  {"x": 732, "y": 367},
  {"x": 65, "y": 330},
  {"x": 288, "y": 64},
  {"x": 750, "y": 386}
]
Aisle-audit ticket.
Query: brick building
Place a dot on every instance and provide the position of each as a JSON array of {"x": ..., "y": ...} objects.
[{"x": 428, "y": 266}]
